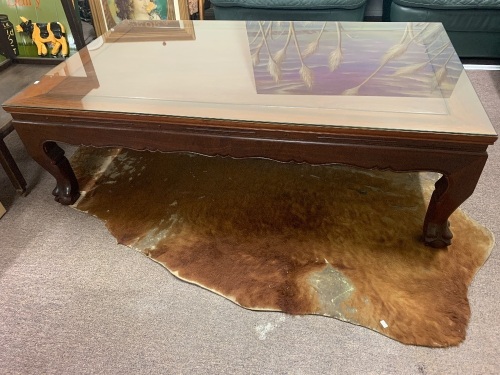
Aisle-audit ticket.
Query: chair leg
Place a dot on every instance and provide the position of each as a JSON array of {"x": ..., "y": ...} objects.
[{"x": 10, "y": 166}]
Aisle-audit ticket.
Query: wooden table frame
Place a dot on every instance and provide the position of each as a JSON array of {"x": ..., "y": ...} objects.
[{"x": 460, "y": 158}]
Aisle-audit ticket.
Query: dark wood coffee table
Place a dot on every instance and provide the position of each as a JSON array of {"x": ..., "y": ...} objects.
[{"x": 371, "y": 95}]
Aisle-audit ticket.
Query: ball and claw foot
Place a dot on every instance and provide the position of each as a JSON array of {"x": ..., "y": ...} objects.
[
  {"x": 66, "y": 195},
  {"x": 438, "y": 235}
]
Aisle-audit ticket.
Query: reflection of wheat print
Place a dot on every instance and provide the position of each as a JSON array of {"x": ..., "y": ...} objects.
[
  {"x": 394, "y": 52},
  {"x": 280, "y": 55},
  {"x": 335, "y": 57},
  {"x": 256, "y": 54},
  {"x": 272, "y": 66},
  {"x": 442, "y": 73},
  {"x": 313, "y": 46},
  {"x": 397, "y": 49},
  {"x": 414, "y": 68},
  {"x": 427, "y": 38},
  {"x": 317, "y": 58},
  {"x": 275, "y": 60},
  {"x": 305, "y": 72}
]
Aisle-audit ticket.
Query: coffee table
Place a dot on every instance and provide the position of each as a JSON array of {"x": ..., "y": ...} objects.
[{"x": 391, "y": 96}]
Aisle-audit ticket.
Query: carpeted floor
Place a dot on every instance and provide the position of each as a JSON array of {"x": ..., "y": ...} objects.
[{"x": 68, "y": 306}]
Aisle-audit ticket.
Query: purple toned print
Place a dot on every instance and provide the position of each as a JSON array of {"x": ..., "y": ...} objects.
[{"x": 414, "y": 60}]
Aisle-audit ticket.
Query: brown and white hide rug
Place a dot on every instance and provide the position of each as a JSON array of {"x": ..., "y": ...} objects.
[{"x": 302, "y": 239}]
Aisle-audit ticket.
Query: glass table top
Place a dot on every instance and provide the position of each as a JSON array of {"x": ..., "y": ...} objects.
[{"x": 370, "y": 75}]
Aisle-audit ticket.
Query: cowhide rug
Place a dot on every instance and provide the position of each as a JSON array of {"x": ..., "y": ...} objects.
[{"x": 326, "y": 240}]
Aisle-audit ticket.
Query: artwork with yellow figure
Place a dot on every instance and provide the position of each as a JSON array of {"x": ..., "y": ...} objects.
[
  {"x": 52, "y": 33},
  {"x": 137, "y": 10}
]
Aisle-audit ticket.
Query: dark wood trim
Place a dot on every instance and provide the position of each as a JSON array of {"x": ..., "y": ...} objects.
[
  {"x": 460, "y": 158},
  {"x": 311, "y": 145},
  {"x": 286, "y": 131}
]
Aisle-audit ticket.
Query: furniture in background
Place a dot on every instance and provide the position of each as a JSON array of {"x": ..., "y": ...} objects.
[
  {"x": 473, "y": 26},
  {"x": 6, "y": 159},
  {"x": 12, "y": 80},
  {"x": 285, "y": 10}
]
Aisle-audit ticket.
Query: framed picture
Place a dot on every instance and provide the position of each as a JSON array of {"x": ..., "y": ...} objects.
[
  {"x": 107, "y": 14},
  {"x": 19, "y": 19},
  {"x": 159, "y": 30},
  {"x": 8, "y": 44}
]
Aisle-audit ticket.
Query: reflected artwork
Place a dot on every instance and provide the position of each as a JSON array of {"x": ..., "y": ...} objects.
[
  {"x": 323, "y": 58},
  {"x": 138, "y": 9}
]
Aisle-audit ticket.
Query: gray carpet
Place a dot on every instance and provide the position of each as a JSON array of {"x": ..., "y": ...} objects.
[{"x": 72, "y": 301}]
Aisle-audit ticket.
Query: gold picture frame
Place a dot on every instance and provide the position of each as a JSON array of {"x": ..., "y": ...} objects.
[
  {"x": 104, "y": 13},
  {"x": 161, "y": 30}
]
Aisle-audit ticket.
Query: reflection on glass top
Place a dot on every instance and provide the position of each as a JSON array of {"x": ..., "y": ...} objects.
[
  {"x": 371, "y": 75},
  {"x": 333, "y": 58}
]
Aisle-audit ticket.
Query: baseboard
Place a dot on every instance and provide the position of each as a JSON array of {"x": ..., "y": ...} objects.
[{"x": 481, "y": 67}]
